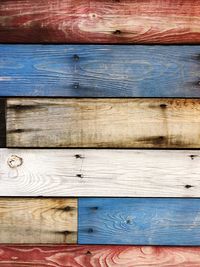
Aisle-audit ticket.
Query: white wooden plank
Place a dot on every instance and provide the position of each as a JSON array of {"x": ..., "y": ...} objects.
[{"x": 88, "y": 172}]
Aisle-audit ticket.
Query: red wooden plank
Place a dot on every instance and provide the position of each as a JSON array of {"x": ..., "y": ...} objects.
[
  {"x": 97, "y": 256},
  {"x": 104, "y": 21}
]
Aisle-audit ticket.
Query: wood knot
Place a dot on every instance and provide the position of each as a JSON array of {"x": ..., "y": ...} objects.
[{"x": 14, "y": 161}]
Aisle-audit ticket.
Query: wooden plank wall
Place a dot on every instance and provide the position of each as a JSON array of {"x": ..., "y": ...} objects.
[
  {"x": 108, "y": 123},
  {"x": 139, "y": 221},
  {"x": 125, "y": 21},
  {"x": 108, "y": 71},
  {"x": 99, "y": 71},
  {"x": 38, "y": 220},
  {"x": 88, "y": 172},
  {"x": 93, "y": 256}
]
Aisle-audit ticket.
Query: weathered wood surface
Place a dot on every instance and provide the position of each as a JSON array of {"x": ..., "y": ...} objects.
[
  {"x": 38, "y": 220},
  {"x": 119, "y": 123},
  {"x": 96, "y": 256},
  {"x": 2, "y": 122},
  {"x": 99, "y": 71},
  {"x": 124, "y": 21},
  {"x": 118, "y": 173},
  {"x": 139, "y": 221}
]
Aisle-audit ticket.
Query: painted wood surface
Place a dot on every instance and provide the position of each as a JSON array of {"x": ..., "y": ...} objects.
[
  {"x": 97, "y": 256},
  {"x": 124, "y": 21},
  {"x": 139, "y": 221},
  {"x": 88, "y": 172},
  {"x": 113, "y": 123},
  {"x": 99, "y": 71},
  {"x": 38, "y": 220}
]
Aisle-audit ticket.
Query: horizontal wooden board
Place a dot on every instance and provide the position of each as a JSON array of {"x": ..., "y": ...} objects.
[
  {"x": 139, "y": 221},
  {"x": 93, "y": 256},
  {"x": 118, "y": 173},
  {"x": 99, "y": 71},
  {"x": 119, "y": 123},
  {"x": 38, "y": 220},
  {"x": 123, "y": 21}
]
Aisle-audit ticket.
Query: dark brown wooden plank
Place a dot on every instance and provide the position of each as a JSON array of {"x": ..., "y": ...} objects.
[{"x": 119, "y": 21}]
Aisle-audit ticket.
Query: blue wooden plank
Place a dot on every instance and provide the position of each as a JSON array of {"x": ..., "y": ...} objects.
[
  {"x": 100, "y": 71},
  {"x": 139, "y": 221}
]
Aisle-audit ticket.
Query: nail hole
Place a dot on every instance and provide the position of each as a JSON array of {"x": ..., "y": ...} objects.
[
  {"x": 188, "y": 186},
  {"x": 79, "y": 175},
  {"x": 193, "y": 157},
  {"x": 94, "y": 208},
  {"x": 76, "y": 85},
  {"x": 117, "y": 32},
  {"x": 78, "y": 156},
  {"x": 76, "y": 58},
  {"x": 163, "y": 105}
]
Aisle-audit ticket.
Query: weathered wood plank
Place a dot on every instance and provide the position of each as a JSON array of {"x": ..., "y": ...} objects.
[
  {"x": 119, "y": 123},
  {"x": 139, "y": 221},
  {"x": 99, "y": 71},
  {"x": 118, "y": 173},
  {"x": 2, "y": 122},
  {"x": 38, "y": 220},
  {"x": 93, "y": 256},
  {"x": 124, "y": 21}
]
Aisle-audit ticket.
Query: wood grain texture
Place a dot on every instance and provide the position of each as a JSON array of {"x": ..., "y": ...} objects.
[
  {"x": 98, "y": 256},
  {"x": 117, "y": 173},
  {"x": 38, "y": 220},
  {"x": 123, "y": 21},
  {"x": 117, "y": 123},
  {"x": 99, "y": 71},
  {"x": 139, "y": 221},
  {"x": 2, "y": 122}
]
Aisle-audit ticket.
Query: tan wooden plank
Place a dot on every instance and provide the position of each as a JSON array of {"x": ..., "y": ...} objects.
[
  {"x": 124, "y": 123},
  {"x": 102, "y": 172},
  {"x": 38, "y": 220}
]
